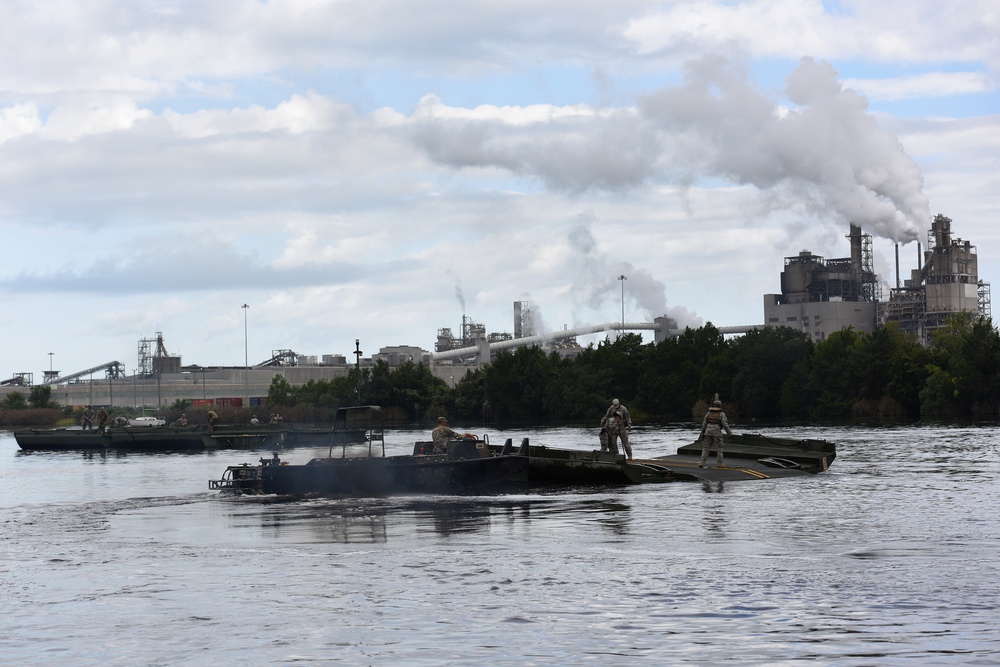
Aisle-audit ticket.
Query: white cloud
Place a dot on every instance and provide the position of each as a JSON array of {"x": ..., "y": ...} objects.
[
  {"x": 892, "y": 31},
  {"x": 927, "y": 85},
  {"x": 343, "y": 166}
]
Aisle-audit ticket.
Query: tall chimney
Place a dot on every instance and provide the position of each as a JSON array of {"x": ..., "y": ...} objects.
[
  {"x": 897, "y": 266},
  {"x": 855, "y": 237}
]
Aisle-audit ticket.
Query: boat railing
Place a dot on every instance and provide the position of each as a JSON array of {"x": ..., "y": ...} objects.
[
  {"x": 371, "y": 416},
  {"x": 236, "y": 478}
]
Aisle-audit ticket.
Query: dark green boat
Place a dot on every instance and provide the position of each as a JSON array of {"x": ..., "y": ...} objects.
[{"x": 468, "y": 467}]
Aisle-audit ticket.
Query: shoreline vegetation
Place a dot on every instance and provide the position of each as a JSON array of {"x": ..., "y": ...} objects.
[{"x": 773, "y": 375}]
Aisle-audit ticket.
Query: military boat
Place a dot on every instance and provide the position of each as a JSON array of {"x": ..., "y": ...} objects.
[{"x": 467, "y": 467}]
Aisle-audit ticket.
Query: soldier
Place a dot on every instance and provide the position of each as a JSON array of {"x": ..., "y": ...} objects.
[
  {"x": 442, "y": 434},
  {"x": 102, "y": 420},
  {"x": 615, "y": 428},
  {"x": 88, "y": 418},
  {"x": 711, "y": 432},
  {"x": 616, "y": 406}
]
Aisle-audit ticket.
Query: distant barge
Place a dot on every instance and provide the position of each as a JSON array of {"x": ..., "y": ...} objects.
[
  {"x": 354, "y": 424},
  {"x": 149, "y": 438}
]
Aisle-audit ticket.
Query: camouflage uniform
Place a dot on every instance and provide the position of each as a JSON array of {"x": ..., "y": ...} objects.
[
  {"x": 441, "y": 435},
  {"x": 88, "y": 418},
  {"x": 616, "y": 406},
  {"x": 711, "y": 433},
  {"x": 102, "y": 420},
  {"x": 615, "y": 429}
]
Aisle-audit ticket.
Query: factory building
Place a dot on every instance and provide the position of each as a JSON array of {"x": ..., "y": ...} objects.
[
  {"x": 820, "y": 296},
  {"x": 945, "y": 282}
]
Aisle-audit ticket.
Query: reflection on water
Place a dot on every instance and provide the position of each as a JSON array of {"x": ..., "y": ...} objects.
[
  {"x": 712, "y": 486},
  {"x": 367, "y": 520}
]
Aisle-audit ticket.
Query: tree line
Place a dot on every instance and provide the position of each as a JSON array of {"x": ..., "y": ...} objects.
[
  {"x": 769, "y": 375},
  {"x": 773, "y": 374}
]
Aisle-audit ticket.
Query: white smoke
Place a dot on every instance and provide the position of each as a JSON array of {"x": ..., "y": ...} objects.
[
  {"x": 459, "y": 295},
  {"x": 827, "y": 154},
  {"x": 597, "y": 286},
  {"x": 824, "y": 155}
]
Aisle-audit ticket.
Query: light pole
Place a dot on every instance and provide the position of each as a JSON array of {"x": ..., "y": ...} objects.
[
  {"x": 622, "y": 278},
  {"x": 357, "y": 365},
  {"x": 246, "y": 359},
  {"x": 50, "y": 362}
]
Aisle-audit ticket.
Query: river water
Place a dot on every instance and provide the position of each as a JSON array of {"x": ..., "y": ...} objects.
[{"x": 890, "y": 558}]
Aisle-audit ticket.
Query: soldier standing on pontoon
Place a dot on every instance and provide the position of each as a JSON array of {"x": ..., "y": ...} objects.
[{"x": 711, "y": 432}]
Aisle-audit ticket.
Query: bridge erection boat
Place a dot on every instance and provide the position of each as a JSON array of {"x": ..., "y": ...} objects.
[{"x": 467, "y": 467}]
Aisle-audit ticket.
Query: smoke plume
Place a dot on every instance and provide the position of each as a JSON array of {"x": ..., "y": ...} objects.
[
  {"x": 596, "y": 284},
  {"x": 459, "y": 295},
  {"x": 823, "y": 155}
]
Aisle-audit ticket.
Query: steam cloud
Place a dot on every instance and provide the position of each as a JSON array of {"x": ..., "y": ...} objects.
[
  {"x": 596, "y": 282},
  {"x": 825, "y": 156},
  {"x": 460, "y": 296}
]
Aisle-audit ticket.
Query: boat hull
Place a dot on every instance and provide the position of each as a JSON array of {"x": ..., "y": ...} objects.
[{"x": 378, "y": 476}]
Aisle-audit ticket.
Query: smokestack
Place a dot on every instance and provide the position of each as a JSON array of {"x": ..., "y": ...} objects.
[
  {"x": 855, "y": 237},
  {"x": 897, "y": 266}
]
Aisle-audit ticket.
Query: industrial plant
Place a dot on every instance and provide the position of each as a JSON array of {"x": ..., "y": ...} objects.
[{"x": 818, "y": 296}]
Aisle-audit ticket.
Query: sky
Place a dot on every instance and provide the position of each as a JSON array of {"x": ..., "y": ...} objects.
[{"x": 377, "y": 170}]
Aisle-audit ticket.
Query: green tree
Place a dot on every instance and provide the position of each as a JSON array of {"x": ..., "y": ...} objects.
[
  {"x": 763, "y": 359},
  {"x": 41, "y": 397},
  {"x": 14, "y": 401},
  {"x": 835, "y": 374},
  {"x": 516, "y": 381},
  {"x": 413, "y": 388},
  {"x": 965, "y": 356},
  {"x": 279, "y": 394},
  {"x": 937, "y": 397},
  {"x": 891, "y": 371},
  {"x": 677, "y": 372}
]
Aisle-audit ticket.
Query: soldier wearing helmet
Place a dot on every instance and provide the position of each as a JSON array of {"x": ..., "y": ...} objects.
[
  {"x": 442, "y": 434},
  {"x": 623, "y": 429},
  {"x": 712, "y": 426}
]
